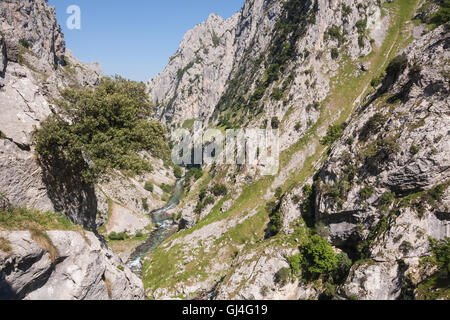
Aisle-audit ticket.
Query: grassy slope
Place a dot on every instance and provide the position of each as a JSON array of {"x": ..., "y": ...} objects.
[{"x": 164, "y": 269}]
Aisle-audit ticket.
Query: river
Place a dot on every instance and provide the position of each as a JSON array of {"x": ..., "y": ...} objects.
[{"x": 166, "y": 228}]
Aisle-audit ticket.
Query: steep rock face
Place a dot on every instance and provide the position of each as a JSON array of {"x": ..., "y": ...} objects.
[
  {"x": 389, "y": 187},
  {"x": 196, "y": 75},
  {"x": 398, "y": 195},
  {"x": 306, "y": 79},
  {"x": 32, "y": 23},
  {"x": 34, "y": 63},
  {"x": 67, "y": 266}
]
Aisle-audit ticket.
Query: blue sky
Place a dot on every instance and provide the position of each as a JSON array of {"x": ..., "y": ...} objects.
[{"x": 135, "y": 38}]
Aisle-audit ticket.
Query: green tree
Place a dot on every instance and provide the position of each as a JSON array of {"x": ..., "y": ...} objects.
[
  {"x": 318, "y": 258},
  {"x": 101, "y": 128}
]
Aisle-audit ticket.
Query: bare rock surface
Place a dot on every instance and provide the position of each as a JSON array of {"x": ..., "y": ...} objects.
[{"x": 67, "y": 266}]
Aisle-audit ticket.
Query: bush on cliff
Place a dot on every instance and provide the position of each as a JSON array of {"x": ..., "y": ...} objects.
[{"x": 101, "y": 128}]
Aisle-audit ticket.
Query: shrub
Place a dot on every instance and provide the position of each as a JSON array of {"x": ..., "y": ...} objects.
[
  {"x": 295, "y": 262},
  {"x": 377, "y": 81},
  {"x": 335, "y": 33},
  {"x": 278, "y": 192},
  {"x": 199, "y": 207},
  {"x": 149, "y": 186},
  {"x": 361, "y": 26},
  {"x": 346, "y": 10},
  {"x": 334, "y": 53},
  {"x": 275, "y": 123},
  {"x": 334, "y": 132},
  {"x": 209, "y": 201},
  {"x": 282, "y": 277},
  {"x": 276, "y": 222},
  {"x": 344, "y": 264},
  {"x": 322, "y": 230},
  {"x": 101, "y": 128},
  {"x": 220, "y": 190},
  {"x": 139, "y": 234},
  {"x": 373, "y": 125},
  {"x": 443, "y": 14},
  {"x": 366, "y": 193},
  {"x": 166, "y": 188},
  {"x": 385, "y": 201},
  {"x": 145, "y": 204},
  {"x": 318, "y": 258},
  {"x": 414, "y": 150},
  {"x": 5, "y": 246},
  {"x": 381, "y": 151},
  {"x": 437, "y": 193},
  {"x": 177, "y": 172},
  {"x": 197, "y": 173},
  {"x": 202, "y": 194},
  {"x": 277, "y": 94},
  {"x": 113, "y": 236}
]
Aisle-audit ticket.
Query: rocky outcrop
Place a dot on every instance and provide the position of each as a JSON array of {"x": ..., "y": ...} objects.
[
  {"x": 63, "y": 265},
  {"x": 34, "y": 64},
  {"x": 378, "y": 194},
  {"x": 196, "y": 75},
  {"x": 32, "y": 24},
  {"x": 392, "y": 180}
]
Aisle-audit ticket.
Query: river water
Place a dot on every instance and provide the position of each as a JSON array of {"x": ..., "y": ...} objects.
[{"x": 166, "y": 228}]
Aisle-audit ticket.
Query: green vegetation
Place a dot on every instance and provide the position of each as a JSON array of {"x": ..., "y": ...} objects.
[
  {"x": 366, "y": 193},
  {"x": 101, "y": 128},
  {"x": 334, "y": 53},
  {"x": 188, "y": 124},
  {"x": 275, "y": 217},
  {"x": 275, "y": 123},
  {"x": 209, "y": 201},
  {"x": 282, "y": 277},
  {"x": 24, "y": 219},
  {"x": 334, "y": 133},
  {"x": 149, "y": 186},
  {"x": 438, "y": 285},
  {"x": 438, "y": 18},
  {"x": 379, "y": 152},
  {"x": 318, "y": 260},
  {"x": 236, "y": 105},
  {"x": 145, "y": 204},
  {"x": 336, "y": 33},
  {"x": 220, "y": 190},
  {"x": 414, "y": 150},
  {"x": 165, "y": 269},
  {"x": 166, "y": 188},
  {"x": 443, "y": 14},
  {"x": 177, "y": 172},
  {"x": 113, "y": 236},
  {"x": 195, "y": 173},
  {"x": 385, "y": 201},
  {"x": 373, "y": 126}
]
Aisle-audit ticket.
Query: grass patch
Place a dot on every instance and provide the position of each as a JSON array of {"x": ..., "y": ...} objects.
[{"x": 16, "y": 219}]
